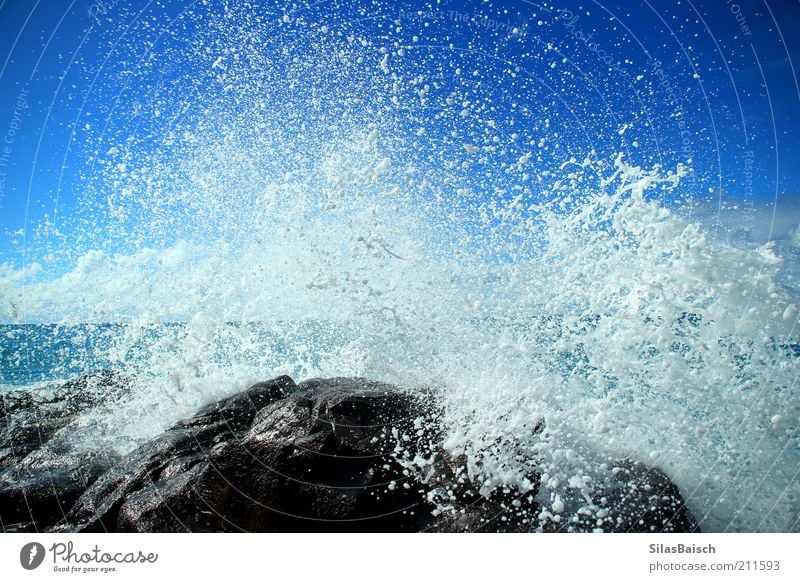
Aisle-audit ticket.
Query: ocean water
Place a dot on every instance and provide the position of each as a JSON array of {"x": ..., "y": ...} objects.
[{"x": 332, "y": 211}]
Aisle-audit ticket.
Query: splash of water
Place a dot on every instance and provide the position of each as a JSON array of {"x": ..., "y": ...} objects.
[{"x": 318, "y": 225}]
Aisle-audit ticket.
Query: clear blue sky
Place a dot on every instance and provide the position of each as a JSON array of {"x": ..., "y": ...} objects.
[{"x": 713, "y": 81}]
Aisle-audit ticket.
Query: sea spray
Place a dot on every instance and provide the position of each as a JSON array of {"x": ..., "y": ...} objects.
[
  {"x": 615, "y": 324},
  {"x": 297, "y": 199}
]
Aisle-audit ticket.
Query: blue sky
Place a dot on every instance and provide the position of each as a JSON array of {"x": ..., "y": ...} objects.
[{"x": 711, "y": 81}]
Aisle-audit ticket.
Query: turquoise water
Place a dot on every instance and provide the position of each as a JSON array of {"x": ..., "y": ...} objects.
[{"x": 37, "y": 353}]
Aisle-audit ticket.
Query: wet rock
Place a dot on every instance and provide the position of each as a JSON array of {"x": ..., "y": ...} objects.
[
  {"x": 644, "y": 499},
  {"x": 317, "y": 456},
  {"x": 42, "y": 472},
  {"x": 29, "y": 418},
  {"x": 627, "y": 497},
  {"x": 336, "y": 455}
]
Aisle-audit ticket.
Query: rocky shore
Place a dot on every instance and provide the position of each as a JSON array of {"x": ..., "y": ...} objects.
[{"x": 328, "y": 455}]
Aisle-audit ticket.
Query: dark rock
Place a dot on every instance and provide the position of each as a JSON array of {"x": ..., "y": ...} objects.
[
  {"x": 279, "y": 457},
  {"x": 41, "y": 472},
  {"x": 333, "y": 455},
  {"x": 644, "y": 499},
  {"x": 28, "y": 418},
  {"x": 630, "y": 497}
]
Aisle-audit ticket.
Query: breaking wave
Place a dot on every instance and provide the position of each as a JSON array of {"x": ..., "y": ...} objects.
[{"x": 313, "y": 215}]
